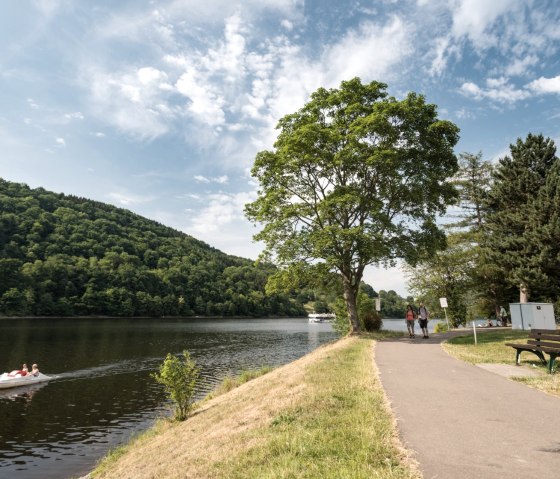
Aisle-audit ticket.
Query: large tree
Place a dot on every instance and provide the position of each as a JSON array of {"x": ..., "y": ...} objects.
[
  {"x": 518, "y": 180},
  {"x": 541, "y": 268},
  {"x": 356, "y": 178}
]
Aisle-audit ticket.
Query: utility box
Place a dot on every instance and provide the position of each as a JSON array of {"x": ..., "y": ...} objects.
[{"x": 532, "y": 316}]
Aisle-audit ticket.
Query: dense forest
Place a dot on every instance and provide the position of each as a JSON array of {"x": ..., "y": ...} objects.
[{"x": 63, "y": 255}]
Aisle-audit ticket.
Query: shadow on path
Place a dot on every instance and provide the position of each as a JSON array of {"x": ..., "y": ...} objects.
[{"x": 462, "y": 421}]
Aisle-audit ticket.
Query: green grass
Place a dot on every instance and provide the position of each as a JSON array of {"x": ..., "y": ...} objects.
[
  {"x": 491, "y": 348},
  {"x": 341, "y": 430}
]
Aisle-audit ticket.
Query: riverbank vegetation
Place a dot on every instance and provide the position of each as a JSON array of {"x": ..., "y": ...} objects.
[
  {"x": 67, "y": 256},
  {"x": 491, "y": 348},
  {"x": 179, "y": 377},
  {"x": 324, "y": 415},
  {"x": 502, "y": 235}
]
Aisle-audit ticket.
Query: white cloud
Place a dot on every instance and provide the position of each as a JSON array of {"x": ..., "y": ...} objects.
[
  {"x": 129, "y": 199},
  {"x": 521, "y": 66},
  {"x": 465, "y": 114},
  {"x": 473, "y": 19},
  {"x": 60, "y": 142},
  {"x": 78, "y": 115},
  {"x": 222, "y": 209},
  {"x": 511, "y": 31},
  {"x": 32, "y": 103},
  {"x": 546, "y": 85},
  {"x": 135, "y": 101},
  {"x": 219, "y": 179},
  {"x": 497, "y": 90},
  {"x": 287, "y": 24},
  {"x": 205, "y": 104},
  {"x": 369, "y": 53},
  {"x": 201, "y": 179}
]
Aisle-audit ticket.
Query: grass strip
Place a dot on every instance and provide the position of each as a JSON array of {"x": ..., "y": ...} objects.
[
  {"x": 324, "y": 415},
  {"x": 341, "y": 428},
  {"x": 491, "y": 348}
]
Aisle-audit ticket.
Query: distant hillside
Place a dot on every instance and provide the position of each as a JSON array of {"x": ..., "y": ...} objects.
[{"x": 63, "y": 255}]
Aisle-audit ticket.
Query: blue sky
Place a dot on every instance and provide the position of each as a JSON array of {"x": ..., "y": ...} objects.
[{"x": 160, "y": 106}]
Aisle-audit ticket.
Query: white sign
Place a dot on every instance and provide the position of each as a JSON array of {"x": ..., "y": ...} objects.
[
  {"x": 378, "y": 304},
  {"x": 443, "y": 302}
]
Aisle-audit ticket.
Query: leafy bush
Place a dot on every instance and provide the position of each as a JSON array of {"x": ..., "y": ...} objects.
[
  {"x": 179, "y": 377},
  {"x": 440, "y": 328}
]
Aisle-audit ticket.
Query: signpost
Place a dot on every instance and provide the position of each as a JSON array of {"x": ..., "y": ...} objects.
[
  {"x": 443, "y": 304},
  {"x": 378, "y": 304}
]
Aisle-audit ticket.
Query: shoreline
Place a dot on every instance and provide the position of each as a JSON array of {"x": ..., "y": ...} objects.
[
  {"x": 272, "y": 414},
  {"x": 9, "y": 318}
]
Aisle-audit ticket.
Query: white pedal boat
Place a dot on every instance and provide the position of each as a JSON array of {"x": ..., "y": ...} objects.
[{"x": 8, "y": 381}]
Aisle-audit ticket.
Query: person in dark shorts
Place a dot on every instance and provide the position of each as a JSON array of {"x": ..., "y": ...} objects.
[{"x": 423, "y": 316}]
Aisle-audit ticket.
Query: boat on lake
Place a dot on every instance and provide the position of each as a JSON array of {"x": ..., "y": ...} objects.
[
  {"x": 9, "y": 381},
  {"x": 320, "y": 317}
]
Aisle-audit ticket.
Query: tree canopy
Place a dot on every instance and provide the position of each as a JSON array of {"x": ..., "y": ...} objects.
[
  {"x": 513, "y": 238},
  {"x": 356, "y": 178},
  {"x": 63, "y": 255}
]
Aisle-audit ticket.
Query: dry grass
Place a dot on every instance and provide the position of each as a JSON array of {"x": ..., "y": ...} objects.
[{"x": 324, "y": 415}]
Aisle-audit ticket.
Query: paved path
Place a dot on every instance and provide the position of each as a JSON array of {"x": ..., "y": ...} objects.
[{"x": 462, "y": 421}]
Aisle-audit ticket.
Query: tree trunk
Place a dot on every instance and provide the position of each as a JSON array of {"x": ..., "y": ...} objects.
[
  {"x": 523, "y": 294},
  {"x": 350, "y": 298}
]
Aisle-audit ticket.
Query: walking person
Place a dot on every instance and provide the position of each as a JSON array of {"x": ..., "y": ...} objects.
[
  {"x": 423, "y": 316},
  {"x": 410, "y": 316}
]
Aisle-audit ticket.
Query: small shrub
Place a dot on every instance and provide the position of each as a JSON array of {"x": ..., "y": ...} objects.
[
  {"x": 441, "y": 328},
  {"x": 179, "y": 377}
]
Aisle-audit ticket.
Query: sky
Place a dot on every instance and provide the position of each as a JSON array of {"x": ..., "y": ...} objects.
[{"x": 161, "y": 106}]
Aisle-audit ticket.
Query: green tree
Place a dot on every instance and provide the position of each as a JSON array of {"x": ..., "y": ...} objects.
[
  {"x": 392, "y": 305},
  {"x": 458, "y": 273},
  {"x": 517, "y": 181},
  {"x": 449, "y": 274},
  {"x": 179, "y": 377},
  {"x": 542, "y": 263},
  {"x": 473, "y": 180},
  {"x": 337, "y": 190}
]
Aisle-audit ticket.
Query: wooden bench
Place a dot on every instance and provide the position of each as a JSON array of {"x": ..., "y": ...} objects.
[{"x": 541, "y": 341}]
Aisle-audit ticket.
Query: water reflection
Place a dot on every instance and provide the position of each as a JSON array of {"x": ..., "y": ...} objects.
[{"x": 102, "y": 393}]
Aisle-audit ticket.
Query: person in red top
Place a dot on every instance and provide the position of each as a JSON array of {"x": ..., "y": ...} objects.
[
  {"x": 410, "y": 316},
  {"x": 21, "y": 372}
]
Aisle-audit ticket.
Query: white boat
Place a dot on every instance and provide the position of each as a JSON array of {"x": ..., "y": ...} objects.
[
  {"x": 320, "y": 317},
  {"x": 9, "y": 381}
]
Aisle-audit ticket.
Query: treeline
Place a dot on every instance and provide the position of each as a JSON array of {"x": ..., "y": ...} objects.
[
  {"x": 324, "y": 299},
  {"x": 63, "y": 255},
  {"x": 503, "y": 235}
]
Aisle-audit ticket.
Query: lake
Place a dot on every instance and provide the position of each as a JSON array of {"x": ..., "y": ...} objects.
[{"x": 102, "y": 392}]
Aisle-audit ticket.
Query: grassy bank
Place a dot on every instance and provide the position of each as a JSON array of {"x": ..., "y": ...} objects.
[
  {"x": 491, "y": 348},
  {"x": 324, "y": 416}
]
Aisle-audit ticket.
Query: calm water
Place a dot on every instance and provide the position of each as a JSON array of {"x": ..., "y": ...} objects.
[{"x": 102, "y": 392}]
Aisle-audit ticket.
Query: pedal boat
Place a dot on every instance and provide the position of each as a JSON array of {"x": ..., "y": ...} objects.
[{"x": 8, "y": 381}]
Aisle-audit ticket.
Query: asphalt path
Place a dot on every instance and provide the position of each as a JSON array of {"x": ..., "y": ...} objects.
[{"x": 461, "y": 421}]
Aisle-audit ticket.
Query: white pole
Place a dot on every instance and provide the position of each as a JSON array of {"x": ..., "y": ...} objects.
[
  {"x": 445, "y": 311},
  {"x": 474, "y": 329}
]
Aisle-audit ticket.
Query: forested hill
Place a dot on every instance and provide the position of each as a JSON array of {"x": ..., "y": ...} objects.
[{"x": 63, "y": 255}]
